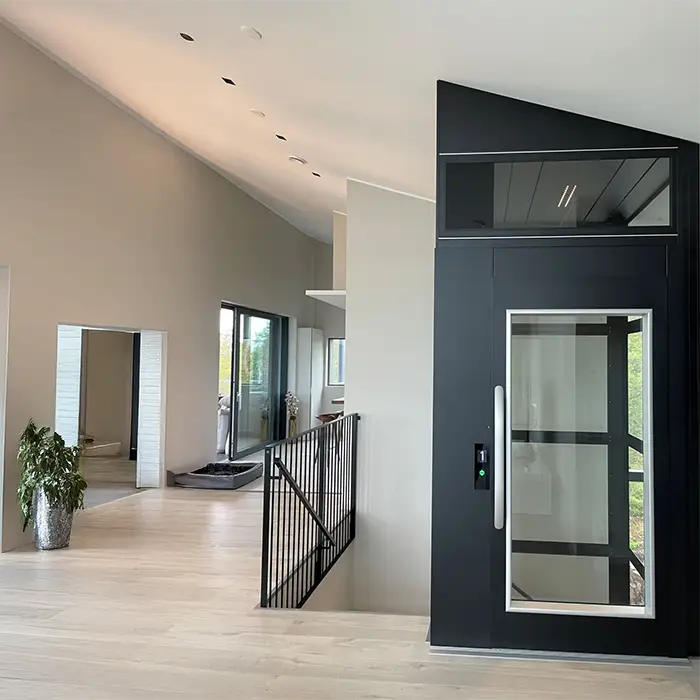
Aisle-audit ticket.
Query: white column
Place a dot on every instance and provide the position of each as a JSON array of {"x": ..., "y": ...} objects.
[
  {"x": 309, "y": 376},
  {"x": 389, "y": 382},
  {"x": 68, "y": 367},
  {"x": 340, "y": 237}
]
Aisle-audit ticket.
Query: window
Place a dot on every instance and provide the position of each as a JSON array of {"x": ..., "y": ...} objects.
[
  {"x": 579, "y": 416},
  {"x": 251, "y": 380},
  {"x": 596, "y": 194},
  {"x": 336, "y": 362}
]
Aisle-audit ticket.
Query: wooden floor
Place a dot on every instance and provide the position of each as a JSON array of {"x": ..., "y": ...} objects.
[
  {"x": 156, "y": 599},
  {"x": 108, "y": 479}
]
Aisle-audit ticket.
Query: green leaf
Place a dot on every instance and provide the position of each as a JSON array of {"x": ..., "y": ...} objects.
[{"x": 50, "y": 465}]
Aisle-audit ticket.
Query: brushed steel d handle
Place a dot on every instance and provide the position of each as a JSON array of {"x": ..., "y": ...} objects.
[{"x": 499, "y": 454}]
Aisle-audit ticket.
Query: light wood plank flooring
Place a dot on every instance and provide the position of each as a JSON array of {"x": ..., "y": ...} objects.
[
  {"x": 109, "y": 479},
  {"x": 156, "y": 599}
]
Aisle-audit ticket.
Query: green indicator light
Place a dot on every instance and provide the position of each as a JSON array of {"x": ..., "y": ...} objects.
[{"x": 482, "y": 472}]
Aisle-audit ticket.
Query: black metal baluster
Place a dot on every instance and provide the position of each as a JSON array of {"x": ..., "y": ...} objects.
[
  {"x": 348, "y": 495},
  {"x": 330, "y": 489},
  {"x": 321, "y": 510},
  {"x": 353, "y": 479},
  {"x": 292, "y": 525},
  {"x": 287, "y": 530},
  {"x": 290, "y": 539},
  {"x": 346, "y": 479},
  {"x": 346, "y": 461},
  {"x": 310, "y": 518},
  {"x": 338, "y": 487},
  {"x": 338, "y": 490},
  {"x": 308, "y": 486},
  {"x": 278, "y": 487},
  {"x": 265, "y": 557},
  {"x": 328, "y": 497},
  {"x": 317, "y": 484},
  {"x": 341, "y": 484},
  {"x": 330, "y": 469},
  {"x": 295, "y": 539}
]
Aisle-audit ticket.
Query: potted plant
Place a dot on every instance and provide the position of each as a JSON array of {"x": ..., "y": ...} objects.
[
  {"x": 51, "y": 487},
  {"x": 292, "y": 411}
]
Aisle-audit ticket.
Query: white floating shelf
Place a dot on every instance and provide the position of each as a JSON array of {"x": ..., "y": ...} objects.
[{"x": 335, "y": 297}]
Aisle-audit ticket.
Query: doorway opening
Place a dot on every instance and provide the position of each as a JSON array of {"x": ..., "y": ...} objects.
[
  {"x": 110, "y": 399},
  {"x": 252, "y": 380}
]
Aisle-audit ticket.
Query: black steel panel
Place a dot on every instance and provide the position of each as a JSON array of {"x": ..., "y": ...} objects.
[
  {"x": 598, "y": 272},
  {"x": 462, "y": 517},
  {"x": 470, "y": 120},
  {"x": 688, "y": 272},
  {"x": 581, "y": 633},
  {"x": 542, "y": 265}
]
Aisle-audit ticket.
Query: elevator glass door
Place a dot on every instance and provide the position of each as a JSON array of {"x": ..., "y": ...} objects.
[
  {"x": 584, "y": 551},
  {"x": 578, "y": 426},
  {"x": 560, "y": 451}
]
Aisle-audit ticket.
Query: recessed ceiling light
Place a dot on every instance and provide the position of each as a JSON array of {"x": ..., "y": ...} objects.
[
  {"x": 315, "y": 174},
  {"x": 296, "y": 159},
  {"x": 257, "y": 112},
  {"x": 186, "y": 37},
  {"x": 280, "y": 137},
  {"x": 228, "y": 81},
  {"x": 251, "y": 33}
]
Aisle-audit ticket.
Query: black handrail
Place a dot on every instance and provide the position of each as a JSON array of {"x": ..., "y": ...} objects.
[
  {"x": 298, "y": 436},
  {"x": 304, "y": 500},
  {"x": 309, "y": 510}
]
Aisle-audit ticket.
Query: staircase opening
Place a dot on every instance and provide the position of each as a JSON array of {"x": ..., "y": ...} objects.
[{"x": 309, "y": 511}]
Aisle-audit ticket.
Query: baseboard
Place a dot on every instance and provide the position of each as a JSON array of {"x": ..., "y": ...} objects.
[{"x": 525, "y": 655}]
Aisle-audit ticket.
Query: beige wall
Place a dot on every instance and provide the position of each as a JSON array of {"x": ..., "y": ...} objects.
[
  {"x": 103, "y": 223},
  {"x": 340, "y": 245},
  {"x": 330, "y": 319},
  {"x": 335, "y": 591},
  {"x": 389, "y": 318},
  {"x": 108, "y": 378}
]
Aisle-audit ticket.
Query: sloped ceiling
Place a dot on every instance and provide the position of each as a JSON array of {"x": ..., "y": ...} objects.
[{"x": 351, "y": 83}]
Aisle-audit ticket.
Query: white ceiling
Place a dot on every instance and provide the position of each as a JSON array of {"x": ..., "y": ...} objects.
[{"x": 351, "y": 83}]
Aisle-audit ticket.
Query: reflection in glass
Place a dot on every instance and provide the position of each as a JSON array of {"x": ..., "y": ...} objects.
[
  {"x": 223, "y": 434},
  {"x": 594, "y": 193},
  {"x": 576, "y": 477},
  {"x": 562, "y": 579},
  {"x": 634, "y": 385},
  {"x": 254, "y": 390}
]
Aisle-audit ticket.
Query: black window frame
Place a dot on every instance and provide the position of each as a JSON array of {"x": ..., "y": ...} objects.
[{"x": 278, "y": 377}]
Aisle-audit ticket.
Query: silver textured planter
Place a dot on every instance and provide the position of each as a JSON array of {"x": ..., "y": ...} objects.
[{"x": 52, "y": 525}]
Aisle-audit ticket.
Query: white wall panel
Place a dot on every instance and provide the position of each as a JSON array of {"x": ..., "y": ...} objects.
[
  {"x": 68, "y": 387},
  {"x": 150, "y": 453}
]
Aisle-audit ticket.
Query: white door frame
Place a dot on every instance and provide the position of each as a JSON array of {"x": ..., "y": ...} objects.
[{"x": 150, "y": 456}]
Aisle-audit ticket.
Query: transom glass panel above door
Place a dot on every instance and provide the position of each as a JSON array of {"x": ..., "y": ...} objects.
[
  {"x": 603, "y": 192},
  {"x": 578, "y": 455}
]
